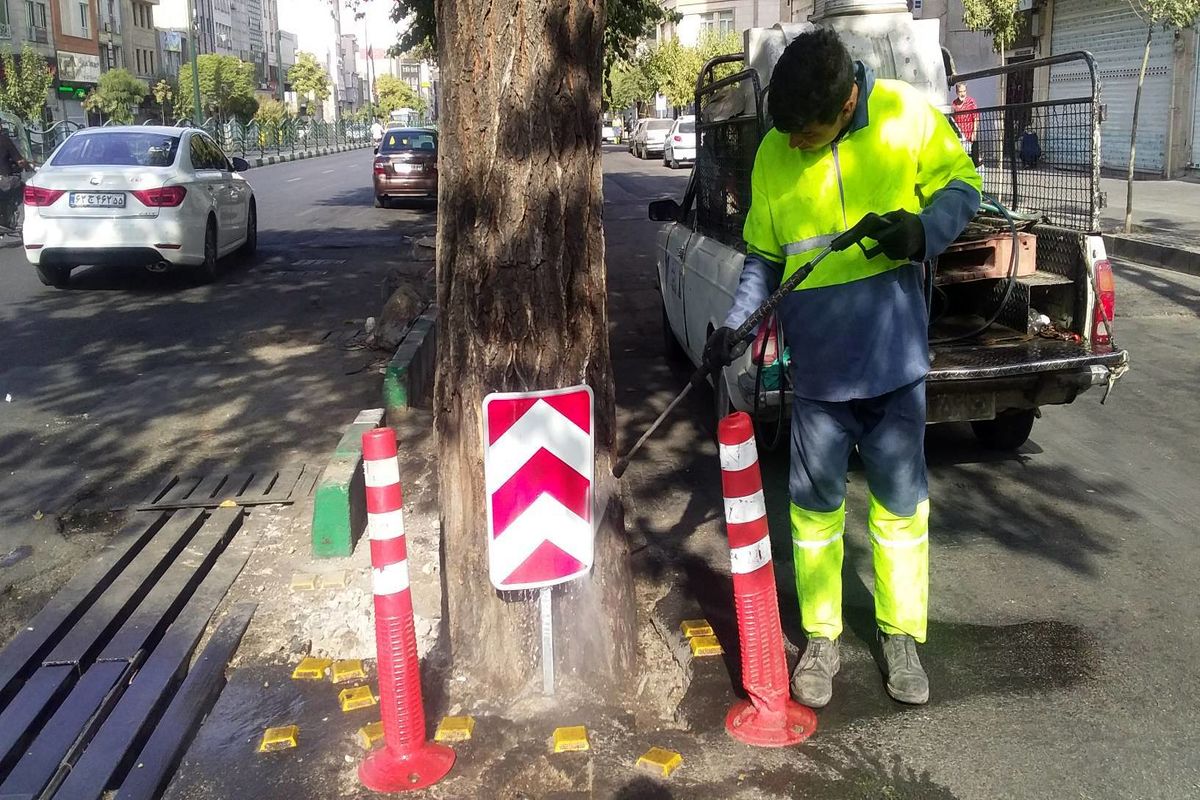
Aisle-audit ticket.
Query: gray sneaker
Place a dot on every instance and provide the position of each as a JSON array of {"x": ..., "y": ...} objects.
[
  {"x": 906, "y": 680},
  {"x": 812, "y": 682}
]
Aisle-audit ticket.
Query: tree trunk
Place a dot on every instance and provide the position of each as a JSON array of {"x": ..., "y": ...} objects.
[
  {"x": 1137, "y": 102},
  {"x": 522, "y": 305}
]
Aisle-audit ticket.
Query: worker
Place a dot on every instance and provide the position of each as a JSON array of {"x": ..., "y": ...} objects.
[{"x": 843, "y": 144}]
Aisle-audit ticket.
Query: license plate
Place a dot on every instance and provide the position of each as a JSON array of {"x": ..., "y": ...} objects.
[
  {"x": 405, "y": 169},
  {"x": 97, "y": 200}
]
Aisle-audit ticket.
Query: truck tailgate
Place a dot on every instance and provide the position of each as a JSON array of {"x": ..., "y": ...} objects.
[{"x": 975, "y": 362}]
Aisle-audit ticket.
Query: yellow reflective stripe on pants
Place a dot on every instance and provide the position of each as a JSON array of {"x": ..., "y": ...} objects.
[
  {"x": 817, "y": 552},
  {"x": 901, "y": 555}
]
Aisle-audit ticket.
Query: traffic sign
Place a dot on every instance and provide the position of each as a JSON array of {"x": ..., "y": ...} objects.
[{"x": 538, "y": 464}]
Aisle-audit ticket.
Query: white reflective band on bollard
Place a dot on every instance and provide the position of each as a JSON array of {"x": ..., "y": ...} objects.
[
  {"x": 736, "y": 457},
  {"x": 388, "y": 525},
  {"x": 390, "y": 579},
  {"x": 739, "y": 510},
  {"x": 751, "y": 557},
  {"x": 382, "y": 472}
]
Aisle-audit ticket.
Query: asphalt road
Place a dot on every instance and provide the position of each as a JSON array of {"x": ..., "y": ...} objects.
[
  {"x": 128, "y": 377},
  {"x": 1062, "y": 652}
]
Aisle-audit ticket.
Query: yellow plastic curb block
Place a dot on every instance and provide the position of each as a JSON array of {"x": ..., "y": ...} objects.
[
  {"x": 279, "y": 738},
  {"x": 358, "y": 697},
  {"x": 311, "y": 668},
  {"x": 696, "y": 627},
  {"x": 571, "y": 739},
  {"x": 304, "y": 582},
  {"x": 660, "y": 761},
  {"x": 333, "y": 580},
  {"x": 369, "y": 735},
  {"x": 706, "y": 646},
  {"x": 454, "y": 729},
  {"x": 347, "y": 670}
]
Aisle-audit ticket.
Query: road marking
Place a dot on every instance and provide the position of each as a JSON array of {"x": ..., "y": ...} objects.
[
  {"x": 293, "y": 180},
  {"x": 326, "y": 171}
]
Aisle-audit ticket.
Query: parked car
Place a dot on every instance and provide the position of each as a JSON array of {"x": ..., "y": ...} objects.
[
  {"x": 651, "y": 137},
  {"x": 680, "y": 144},
  {"x": 634, "y": 131},
  {"x": 608, "y": 133},
  {"x": 147, "y": 196},
  {"x": 406, "y": 165}
]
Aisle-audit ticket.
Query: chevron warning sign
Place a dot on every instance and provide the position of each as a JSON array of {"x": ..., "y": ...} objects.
[{"x": 538, "y": 466}]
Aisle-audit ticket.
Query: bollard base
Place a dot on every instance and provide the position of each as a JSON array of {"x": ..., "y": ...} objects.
[
  {"x": 388, "y": 771},
  {"x": 746, "y": 724}
]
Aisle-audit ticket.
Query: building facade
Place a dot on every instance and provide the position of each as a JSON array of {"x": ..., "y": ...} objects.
[{"x": 717, "y": 16}]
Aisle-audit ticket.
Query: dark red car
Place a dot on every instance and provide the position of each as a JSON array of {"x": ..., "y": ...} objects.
[{"x": 406, "y": 164}]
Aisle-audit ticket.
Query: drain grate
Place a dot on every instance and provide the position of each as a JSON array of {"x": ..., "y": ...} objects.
[{"x": 243, "y": 487}]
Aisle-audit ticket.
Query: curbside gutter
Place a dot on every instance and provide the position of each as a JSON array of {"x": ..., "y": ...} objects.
[
  {"x": 339, "y": 504},
  {"x": 408, "y": 380},
  {"x": 1143, "y": 251}
]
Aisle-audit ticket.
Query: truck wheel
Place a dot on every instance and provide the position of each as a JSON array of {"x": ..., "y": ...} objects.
[
  {"x": 674, "y": 350},
  {"x": 1007, "y": 431}
]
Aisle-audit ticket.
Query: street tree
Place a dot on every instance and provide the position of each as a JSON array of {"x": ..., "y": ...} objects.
[
  {"x": 226, "y": 88},
  {"x": 27, "y": 78},
  {"x": 1165, "y": 15},
  {"x": 627, "y": 85},
  {"x": 116, "y": 95},
  {"x": 393, "y": 94},
  {"x": 164, "y": 92},
  {"x": 997, "y": 17},
  {"x": 308, "y": 78}
]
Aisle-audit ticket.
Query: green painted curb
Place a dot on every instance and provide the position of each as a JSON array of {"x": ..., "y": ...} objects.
[
  {"x": 410, "y": 371},
  {"x": 339, "y": 506}
]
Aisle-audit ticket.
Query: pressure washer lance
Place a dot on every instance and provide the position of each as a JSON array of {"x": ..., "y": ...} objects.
[{"x": 866, "y": 227}]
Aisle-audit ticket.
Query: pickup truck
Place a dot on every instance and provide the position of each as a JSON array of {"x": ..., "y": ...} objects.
[{"x": 1009, "y": 333}]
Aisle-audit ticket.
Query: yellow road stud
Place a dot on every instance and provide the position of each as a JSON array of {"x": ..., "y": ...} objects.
[
  {"x": 304, "y": 582},
  {"x": 454, "y": 729},
  {"x": 369, "y": 735},
  {"x": 358, "y": 697},
  {"x": 347, "y": 670},
  {"x": 311, "y": 668},
  {"x": 571, "y": 739},
  {"x": 659, "y": 761},
  {"x": 696, "y": 627},
  {"x": 332, "y": 580},
  {"x": 228, "y": 504},
  {"x": 706, "y": 646},
  {"x": 280, "y": 738}
]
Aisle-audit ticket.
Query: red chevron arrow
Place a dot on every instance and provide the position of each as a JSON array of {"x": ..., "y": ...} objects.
[
  {"x": 548, "y": 562},
  {"x": 544, "y": 473}
]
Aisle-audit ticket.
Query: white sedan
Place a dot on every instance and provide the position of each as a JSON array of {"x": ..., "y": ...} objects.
[{"x": 148, "y": 196}]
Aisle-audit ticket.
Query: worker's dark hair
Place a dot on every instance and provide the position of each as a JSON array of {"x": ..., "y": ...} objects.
[{"x": 811, "y": 81}]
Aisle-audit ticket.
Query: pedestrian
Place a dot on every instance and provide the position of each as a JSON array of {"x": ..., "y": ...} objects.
[
  {"x": 376, "y": 132},
  {"x": 966, "y": 117},
  {"x": 844, "y": 144},
  {"x": 12, "y": 164}
]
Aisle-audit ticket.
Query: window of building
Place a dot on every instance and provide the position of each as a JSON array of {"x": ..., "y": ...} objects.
[
  {"x": 85, "y": 18},
  {"x": 35, "y": 14},
  {"x": 137, "y": 56},
  {"x": 717, "y": 21}
]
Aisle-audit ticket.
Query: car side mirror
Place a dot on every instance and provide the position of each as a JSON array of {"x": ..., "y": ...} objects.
[
  {"x": 240, "y": 164},
  {"x": 666, "y": 210}
]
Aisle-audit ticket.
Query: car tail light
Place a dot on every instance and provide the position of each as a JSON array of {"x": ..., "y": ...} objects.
[
  {"x": 677, "y": 138},
  {"x": 164, "y": 197},
  {"x": 381, "y": 167},
  {"x": 1106, "y": 301},
  {"x": 37, "y": 196}
]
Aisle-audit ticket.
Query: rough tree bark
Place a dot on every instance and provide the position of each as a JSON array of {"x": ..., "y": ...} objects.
[{"x": 522, "y": 305}]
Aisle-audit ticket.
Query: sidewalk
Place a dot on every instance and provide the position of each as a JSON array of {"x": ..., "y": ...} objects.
[{"x": 1166, "y": 218}]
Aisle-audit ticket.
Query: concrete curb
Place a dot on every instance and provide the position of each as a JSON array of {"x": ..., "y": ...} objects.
[
  {"x": 1175, "y": 259},
  {"x": 408, "y": 380},
  {"x": 265, "y": 161},
  {"x": 340, "y": 502}
]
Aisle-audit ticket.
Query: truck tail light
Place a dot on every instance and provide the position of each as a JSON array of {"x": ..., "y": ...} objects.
[
  {"x": 37, "y": 196},
  {"x": 1106, "y": 301},
  {"x": 163, "y": 197}
]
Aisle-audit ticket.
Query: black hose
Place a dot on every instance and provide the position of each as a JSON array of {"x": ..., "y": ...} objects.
[{"x": 1012, "y": 279}]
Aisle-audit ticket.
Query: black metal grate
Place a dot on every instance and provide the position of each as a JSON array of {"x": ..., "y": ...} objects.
[
  {"x": 723, "y": 177},
  {"x": 1039, "y": 156}
]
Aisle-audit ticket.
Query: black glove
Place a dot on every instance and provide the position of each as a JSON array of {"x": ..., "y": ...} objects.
[
  {"x": 722, "y": 348},
  {"x": 904, "y": 237}
]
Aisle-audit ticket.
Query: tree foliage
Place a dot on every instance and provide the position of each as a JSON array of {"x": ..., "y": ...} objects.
[
  {"x": 226, "y": 87},
  {"x": 308, "y": 77},
  {"x": 669, "y": 68},
  {"x": 998, "y": 17},
  {"x": 393, "y": 93},
  {"x": 164, "y": 93},
  {"x": 27, "y": 78},
  {"x": 1178, "y": 14},
  {"x": 116, "y": 95},
  {"x": 271, "y": 112}
]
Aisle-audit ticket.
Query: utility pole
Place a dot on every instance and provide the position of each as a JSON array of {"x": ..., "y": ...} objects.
[
  {"x": 193, "y": 35},
  {"x": 279, "y": 59}
]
